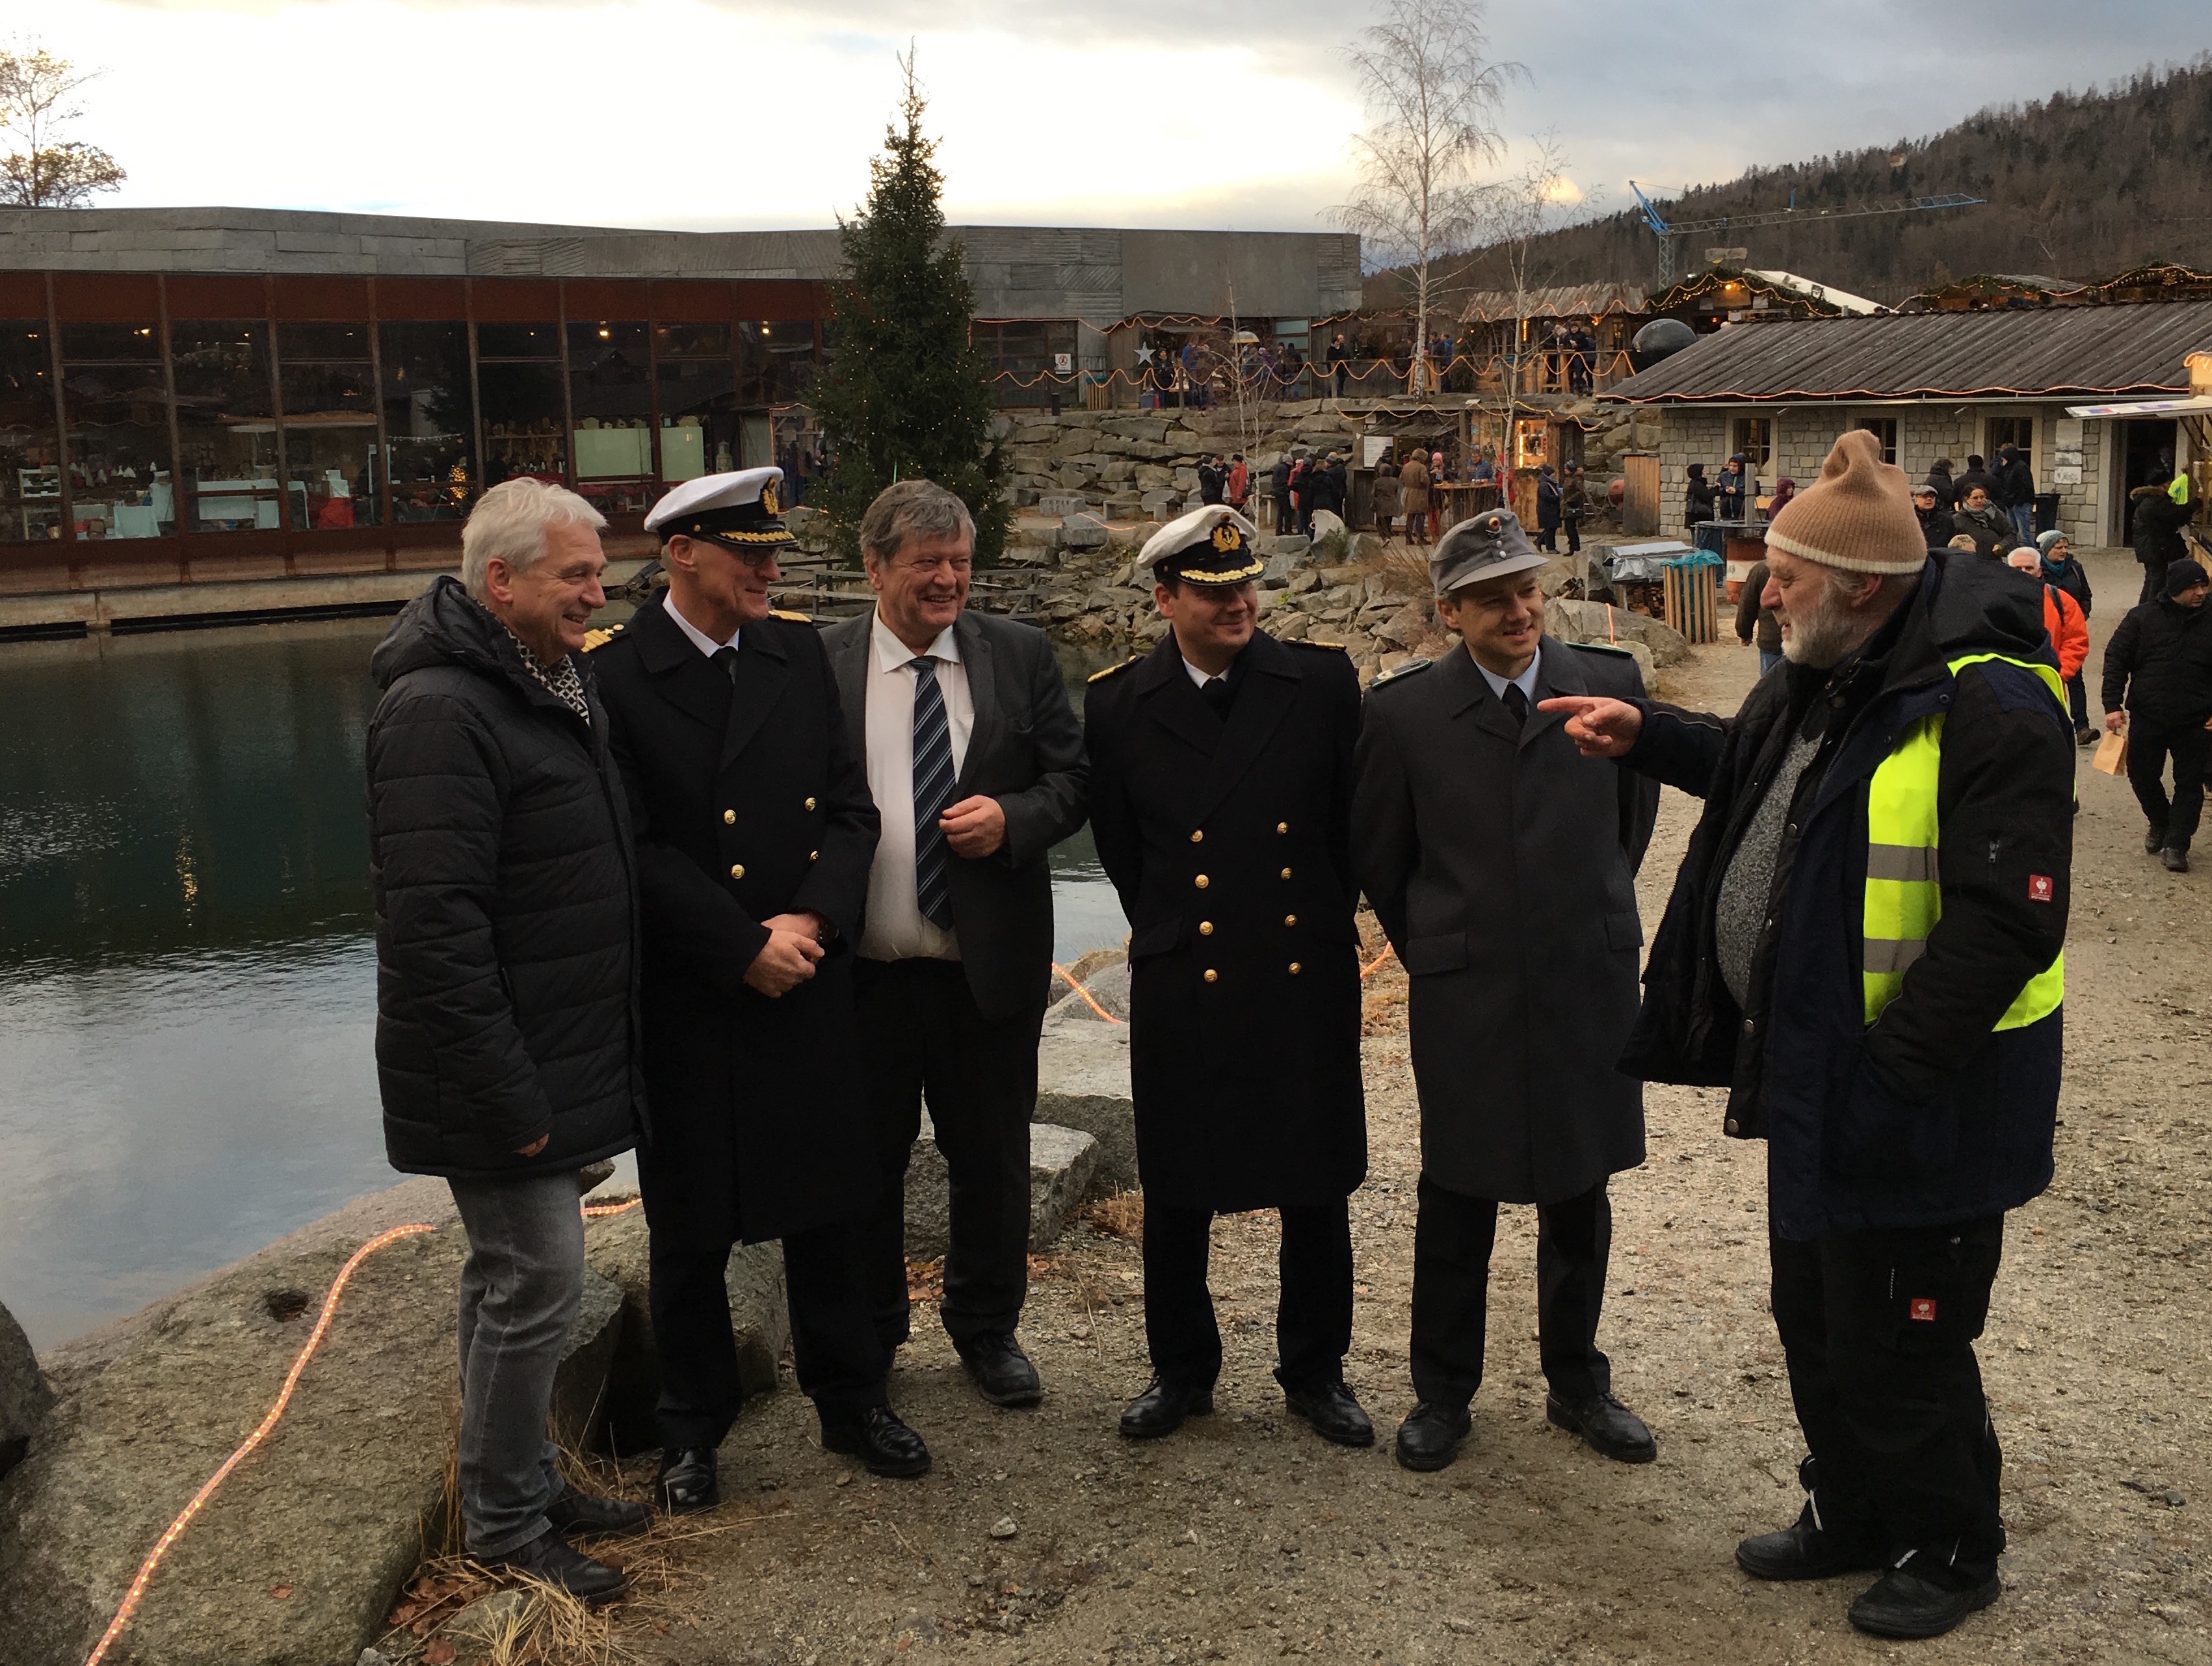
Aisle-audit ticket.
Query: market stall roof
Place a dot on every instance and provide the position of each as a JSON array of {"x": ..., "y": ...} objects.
[
  {"x": 2079, "y": 350},
  {"x": 1591, "y": 301}
]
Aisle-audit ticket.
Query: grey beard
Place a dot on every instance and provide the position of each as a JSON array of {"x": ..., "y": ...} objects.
[{"x": 1822, "y": 638}]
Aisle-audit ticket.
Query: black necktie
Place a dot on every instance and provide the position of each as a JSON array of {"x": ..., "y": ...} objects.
[
  {"x": 932, "y": 790},
  {"x": 1517, "y": 704},
  {"x": 725, "y": 660},
  {"x": 1216, "y": 693}
]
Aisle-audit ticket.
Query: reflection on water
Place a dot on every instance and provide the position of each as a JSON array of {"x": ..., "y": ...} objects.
[{"x": 186, "y": 974}]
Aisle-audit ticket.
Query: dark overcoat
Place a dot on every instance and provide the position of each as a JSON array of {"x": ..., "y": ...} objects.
[
  {"x": 1503, "y": 864},
  {"x": 748, "y": 800},
  {"x": 1230, "y": 844}
]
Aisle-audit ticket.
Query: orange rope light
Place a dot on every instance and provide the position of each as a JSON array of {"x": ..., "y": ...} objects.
[
  {"x": 595, "y": 1211},
  {"x": 1375, "y": 965},
  {"x": 132, "y": 1597},
  {"x": 1085, "y": 993}
]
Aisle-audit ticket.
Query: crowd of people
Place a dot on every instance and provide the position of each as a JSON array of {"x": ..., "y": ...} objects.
[{"x": 741, "y": 894}]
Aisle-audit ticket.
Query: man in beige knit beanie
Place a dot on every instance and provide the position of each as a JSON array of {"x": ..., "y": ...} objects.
[{"x": 1863, "y": 947}]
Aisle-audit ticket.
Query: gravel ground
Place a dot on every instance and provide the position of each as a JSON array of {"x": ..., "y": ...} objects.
[{"x": 1245, "y": 1537}]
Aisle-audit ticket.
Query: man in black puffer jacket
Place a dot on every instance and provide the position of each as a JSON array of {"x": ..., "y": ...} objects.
[
  {"x": 1863, "y": 947},
  {"x": 2160, "y": 661},
  {"x": 506, "y": 937}
]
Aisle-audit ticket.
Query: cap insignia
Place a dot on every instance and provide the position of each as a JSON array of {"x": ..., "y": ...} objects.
[
  {"x": 1227, "y": 538},
  {"x": 769, "y": 500}
]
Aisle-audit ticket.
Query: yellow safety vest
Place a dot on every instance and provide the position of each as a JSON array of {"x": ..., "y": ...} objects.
[{"x": 1904, "y": 889}]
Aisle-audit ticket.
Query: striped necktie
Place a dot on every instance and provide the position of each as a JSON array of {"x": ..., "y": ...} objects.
[{"x": 932, "y": 790}]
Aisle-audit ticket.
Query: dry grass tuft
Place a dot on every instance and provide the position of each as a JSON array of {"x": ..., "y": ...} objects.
[
  {"x": 1403, "y": 569},
  {"x": 1121, "y": 1216}
]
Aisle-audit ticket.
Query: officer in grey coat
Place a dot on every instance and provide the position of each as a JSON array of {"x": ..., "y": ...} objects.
[{"x": 1503, "y": 869}]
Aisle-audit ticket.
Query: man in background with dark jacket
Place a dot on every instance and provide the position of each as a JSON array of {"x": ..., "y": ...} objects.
[
  {"x": 2016, "y": 492},
  {"x": 1863, "y": 947},
  {"x": 506, "y": 993},
  {"x": 2158, "y": 666}
]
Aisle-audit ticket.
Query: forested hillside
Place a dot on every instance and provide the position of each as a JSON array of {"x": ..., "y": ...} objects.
[{"x": 2078, "y": 186}]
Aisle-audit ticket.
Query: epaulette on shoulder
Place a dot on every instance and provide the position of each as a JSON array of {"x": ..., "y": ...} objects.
[
  {"x": 786, "y": 613},
  {"x": 597, "y": 638},
  {"x": 1613, "y": 648},
  {"x": 1100, "y": 676},
  {"x": 1339, "y": 647},
  {"x": 1406, "y": 670}
]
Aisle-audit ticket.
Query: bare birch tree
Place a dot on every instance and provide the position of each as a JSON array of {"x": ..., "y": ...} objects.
[
  {"x": 1512, "y": 217},
  {"x": 41, "y": 169},
  {"x": 1432, "y": 94}
]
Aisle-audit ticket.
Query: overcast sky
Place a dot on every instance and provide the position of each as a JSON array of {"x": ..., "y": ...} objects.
[{"x": 709, "y": 113}]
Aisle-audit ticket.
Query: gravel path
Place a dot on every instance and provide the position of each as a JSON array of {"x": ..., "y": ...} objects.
[{"x": 1245, "y": 1537}]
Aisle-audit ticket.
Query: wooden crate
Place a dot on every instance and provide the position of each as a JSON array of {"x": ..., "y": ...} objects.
[{"x": 1693, "y": 602}]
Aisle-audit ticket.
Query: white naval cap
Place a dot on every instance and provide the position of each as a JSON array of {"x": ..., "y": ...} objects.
[
  {"x": 743, "y": 508},
  {"x": 1211, "y": 546}
]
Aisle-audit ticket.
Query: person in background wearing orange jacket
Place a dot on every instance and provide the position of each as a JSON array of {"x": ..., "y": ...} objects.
[{"x": 2062, "y": 614}]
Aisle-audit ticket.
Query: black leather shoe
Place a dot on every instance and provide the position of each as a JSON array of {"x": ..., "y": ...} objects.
[
  {"x": 1003, "y": 1373},
  {"x": 1161, "y": 1408},
  {"x": 686, "y": 1484},
  {"x": 1805, "y": 1550},
  {"x": 1429, "y": 1437},
  {"x": 2153, "y": 841},
  {"x": 1610, "y": 1427},
  {"x": 596, "y": 1517},
  {"x": 2177, "y": 861},
  {"x": 1335, "y": 1414},
  {"x": 552, "y": 1559},
  {"x": 879, "y": 1440},
  {"x": 1903, "y": 1604}
]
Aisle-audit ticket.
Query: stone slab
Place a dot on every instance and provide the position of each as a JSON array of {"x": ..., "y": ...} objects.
[
  {"x": 1083, "y": 1082},
  {"x": 333, "y": 1508},
  {"x": 25, "y": 1397},
  {"x": 1062, "y": 1163}
]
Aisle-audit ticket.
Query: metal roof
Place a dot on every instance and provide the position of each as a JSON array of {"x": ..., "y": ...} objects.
[
  {"x": 2128, "y": 349},
  {"x": 1587, "y": 300}
]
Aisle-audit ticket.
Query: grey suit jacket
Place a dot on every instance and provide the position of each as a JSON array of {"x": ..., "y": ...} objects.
[{"x": 1026, "y": 751}]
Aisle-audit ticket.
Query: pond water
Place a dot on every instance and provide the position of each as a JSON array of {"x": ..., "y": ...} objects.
[{"x": 187, "y": 975}]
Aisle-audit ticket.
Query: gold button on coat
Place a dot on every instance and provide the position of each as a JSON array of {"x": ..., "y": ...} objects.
[
  {"x": 810, "y": 804},
  {"x": 1198, "y": 837},
  {"x": 1212, "y": 977},
  {"x": 1282, "y": 827},
  {"x": 813, "y": 855},
  {"x": 1206, "y": 928},
  {"x": 1294, "y": 968},
  {"x": 737, "y": 870},
  {"x": 1286, "y": 873},
  {"x": 1202, "y": 882},
  {"x": 1290, "y": 920},
  {"x": 729, "y": 816}
]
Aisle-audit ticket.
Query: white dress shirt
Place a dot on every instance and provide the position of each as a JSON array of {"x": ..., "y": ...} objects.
[
  {"x": 1201, "y": 678},
  {"x": 700, "y": 639},
  {"x": 1526, "y": 682},
  {"x": 897, "y": 928}
]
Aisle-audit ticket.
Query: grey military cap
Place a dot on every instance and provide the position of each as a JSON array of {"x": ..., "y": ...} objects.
[{"x": 1484, "y": 546}]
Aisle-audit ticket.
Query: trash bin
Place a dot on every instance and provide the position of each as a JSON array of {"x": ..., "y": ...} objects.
[{"x": 2046, "y": 512}]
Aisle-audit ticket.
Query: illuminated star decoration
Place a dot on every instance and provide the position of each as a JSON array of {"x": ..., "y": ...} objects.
[{"x": 1144, "y": 355}]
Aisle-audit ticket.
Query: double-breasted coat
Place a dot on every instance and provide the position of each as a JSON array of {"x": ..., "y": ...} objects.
[
  {"x": 1502, "y": 863},
  {"x": 1230, "y": 843},
  {"x": 747, "y": 799}
]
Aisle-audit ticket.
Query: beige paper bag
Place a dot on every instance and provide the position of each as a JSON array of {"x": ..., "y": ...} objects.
[{"x": 2111, "y": 754}]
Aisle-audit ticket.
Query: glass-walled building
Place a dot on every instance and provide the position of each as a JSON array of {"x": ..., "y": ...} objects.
[{"x": 165, "y": 427}]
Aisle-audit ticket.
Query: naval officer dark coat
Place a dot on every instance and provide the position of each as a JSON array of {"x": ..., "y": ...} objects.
[
  {"x": 1230, "y": 844},
  {"x": 1502, "y": 863},
  {"x": 747, "y": 799}
]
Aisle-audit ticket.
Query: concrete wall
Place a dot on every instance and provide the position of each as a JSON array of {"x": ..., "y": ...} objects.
[
  {"x": 1804, "y": 434},
  {"x": 1099, "y": 276}
]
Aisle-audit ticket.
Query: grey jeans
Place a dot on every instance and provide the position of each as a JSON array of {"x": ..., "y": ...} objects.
[{"x": 520, "y": 1288}]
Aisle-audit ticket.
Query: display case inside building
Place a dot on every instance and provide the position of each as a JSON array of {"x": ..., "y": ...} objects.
[
  {"x": 610, "y": 399},
  {"x": 328, "y": 384},
  {"x": 697, "y": 389},
  {"x": 428, "y": 431},
  {"x": 521, "y": 404},
  {"x": 30, "y": 445},
  {"x": 228, "y": 463},
  {"x": 115, "y": 401}
]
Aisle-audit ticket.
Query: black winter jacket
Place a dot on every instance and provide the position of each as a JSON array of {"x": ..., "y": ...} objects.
[
  {"x": 2157, "y": 530},
  {"x": 2161, "y": 658},
  {"x": 1931, "y": 1114},
  {"x": 2015, "y": 483},
  {"x": 506, "y": 893}
]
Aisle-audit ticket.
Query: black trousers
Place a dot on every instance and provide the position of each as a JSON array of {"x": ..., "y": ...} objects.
[
  {"x": 923, "y": 1037},
  {"x": 1313, "y": 1312},
  {"x": 2077, "y": 702},
  {"x": 2190, "y": 745},
  {"x": 1452, "y": 1241},
  {"x": 842, "y": 1365},
  {"x": 1879, "y": 1331}
]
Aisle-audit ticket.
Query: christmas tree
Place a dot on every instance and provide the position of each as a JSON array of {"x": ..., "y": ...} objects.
[{"x": 904, "y": 393}]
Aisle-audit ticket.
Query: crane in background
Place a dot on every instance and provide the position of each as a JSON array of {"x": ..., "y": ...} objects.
[{"x": 1667, "y": 232}]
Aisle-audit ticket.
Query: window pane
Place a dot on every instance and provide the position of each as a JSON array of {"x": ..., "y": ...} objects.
[
  {"x": 610, "y": 396},
  {"x": 30, "y": 453},
  {"x": 329, "y": 427},
  {"x": 698, "y": 417},
  {"x": 518, "y": 341},
  {"x": 691, "y": 341},
  {"x": 225, "y": 426},
  {"x": 778, "y": 361},
  {"x": 427, "y": 421},
  {"x": 522, "y": 422},
  {"x": 118, "y": 413}
]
